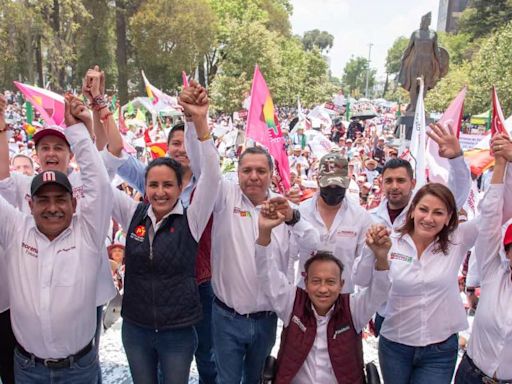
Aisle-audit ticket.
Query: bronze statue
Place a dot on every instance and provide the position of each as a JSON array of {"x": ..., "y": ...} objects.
[{"x": 422, "y": 57}]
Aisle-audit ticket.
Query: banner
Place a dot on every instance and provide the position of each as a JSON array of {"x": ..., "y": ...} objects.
[
  {"x": 418, "y": 140},
  {"x": 49, "y": 104}
]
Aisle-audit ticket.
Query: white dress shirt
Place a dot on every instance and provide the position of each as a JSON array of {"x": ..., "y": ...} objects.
[
  {"x": 16, "y": 190},
  {"x": 490, "y": 344},
  {"x": 345, "y": 239},
  {"x": 234, "y": 232},
  {"x": 424, "y": 305},
  {"x": 317, "y": 368},
  {"x": 4, "y": 292},
  {"x": 52, "y": 284}
]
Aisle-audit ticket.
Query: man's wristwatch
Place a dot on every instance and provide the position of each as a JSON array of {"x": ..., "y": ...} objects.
[{"x": 295, "y": 218}]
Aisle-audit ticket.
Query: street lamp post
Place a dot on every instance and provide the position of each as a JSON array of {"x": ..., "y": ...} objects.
[{"x": 368, "y": 70}]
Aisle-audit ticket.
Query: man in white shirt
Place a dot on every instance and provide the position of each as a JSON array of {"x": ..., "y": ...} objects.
[
  {"x": 321, "y": 342},
  {"x": 341, "y": 222},
  {"x": 53, "y": 259},
  {"x": 244, "y": 325}
]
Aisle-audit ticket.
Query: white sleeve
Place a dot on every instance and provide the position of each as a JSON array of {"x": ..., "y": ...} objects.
[
  {"x": 95, "y": 209},
  {"x": 364, "y": 261},
  {"x": 111, "y": 162},
  {"x": 123, "y": 208},
  {"x": 14, "y": 188},
  {"x": 507, "y": 195},
  {"x": 278, "y": 289},
  {"x": 13, "y": 222},
  {"x": 305, "y": 236},
  {"x": 193, "y": 148},
  {"x": 364, "y": 303},
  {"x": 473, "y": 276},
  {"x": 205, "y": 194},
  {"x": 459, "y": 180},
  {"x": 489, "y": 240}
]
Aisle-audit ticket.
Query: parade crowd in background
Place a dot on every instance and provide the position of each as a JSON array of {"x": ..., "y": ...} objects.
[{"x": 179, "y": 224}]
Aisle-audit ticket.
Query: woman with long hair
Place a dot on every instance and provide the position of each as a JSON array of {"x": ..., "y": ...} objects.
[{"x": 418, "y": 340}]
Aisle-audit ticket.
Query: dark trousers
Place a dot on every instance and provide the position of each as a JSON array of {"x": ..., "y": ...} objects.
[
  {"x": 7, "y": 344},
  {"x": 205, "y": 353}
]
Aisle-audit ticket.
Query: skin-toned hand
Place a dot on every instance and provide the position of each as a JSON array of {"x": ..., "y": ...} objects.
[
  {"x": 75, "y": 112},
  {"x": 501, "y": 146},
  {"x": 268, "y": 219},
  {"x": 93, "y": 84},
  {"x": 3, "y": 106},
  {"x": 378, "y": 240},
  {"x": 449, "y": 146},
  {"x": 199, "y": 107},
  {"x": 293, "y": 195},
  {"x": 282, "y": 206}
]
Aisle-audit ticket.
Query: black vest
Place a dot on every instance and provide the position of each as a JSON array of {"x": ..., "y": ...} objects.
[{"x": 160, "y": 290}]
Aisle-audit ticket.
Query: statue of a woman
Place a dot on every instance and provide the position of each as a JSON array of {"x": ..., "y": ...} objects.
[{"x": 422, "y": 57}]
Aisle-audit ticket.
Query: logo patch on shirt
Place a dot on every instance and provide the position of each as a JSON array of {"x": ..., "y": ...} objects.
[
  {"x": 29, "y": 250},
  {"x": 297, "y": 321},
  {"x": 138, "y": 233},
  {"x": 345, "y": 233},
  {"x": 341, "y": 329},
  {"x": 66, "y": 249},
  {"x": 238, "y": 211},
  {"x": 399, "y": 256}
]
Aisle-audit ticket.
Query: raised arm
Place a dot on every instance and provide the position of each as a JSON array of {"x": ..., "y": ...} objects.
[
  {"x": 489, "y": 240},
  {"x": 366, "y": 301},
  {"x": 502, "y": 146},
  {"x": 275, "y": 284},
  {"x": 4, "y": 142},
  {"x": 96, "y": 205},
  {"x": 9, "y": 214},
  {"x": 459, "y": 177},
  {"x": 205, "y": 194}
]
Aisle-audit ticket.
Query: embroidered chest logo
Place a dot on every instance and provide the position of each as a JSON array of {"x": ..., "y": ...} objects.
[
  {"x": 238, "y": 211},
  {"x": 345, "y": 233},
  {"x": 399, "y": 256},
  {"x": 297, "y": 321},
  {"x": 341, "y": 329},
  {"x": 138, "y": 233},
  {"x": 29, "y": 250}
]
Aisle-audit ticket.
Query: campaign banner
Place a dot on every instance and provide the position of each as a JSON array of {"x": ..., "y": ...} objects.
[{"x": 468, "y": 141}]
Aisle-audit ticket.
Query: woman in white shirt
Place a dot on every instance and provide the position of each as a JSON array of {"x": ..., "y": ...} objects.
[
  {"x": 489, "y": 355},
  {"x": 424, "y": 312}
]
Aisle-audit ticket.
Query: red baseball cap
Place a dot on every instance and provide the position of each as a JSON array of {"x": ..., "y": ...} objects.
[
  {"x": 508, "y": 236},
  {"x": 54, "y": 130}
]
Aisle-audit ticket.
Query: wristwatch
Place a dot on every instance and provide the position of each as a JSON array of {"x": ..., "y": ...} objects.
[{"x": 295, "y": 218}]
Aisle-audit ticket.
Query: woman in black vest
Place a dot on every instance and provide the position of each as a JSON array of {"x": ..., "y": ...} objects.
[{"x": 161, "y": 301}]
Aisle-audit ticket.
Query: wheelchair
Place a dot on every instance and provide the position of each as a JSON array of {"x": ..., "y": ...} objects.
[{"x": 270, "y": 369}]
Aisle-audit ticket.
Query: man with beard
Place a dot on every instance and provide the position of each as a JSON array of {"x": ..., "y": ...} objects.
[{"x": 341, "y": 223}]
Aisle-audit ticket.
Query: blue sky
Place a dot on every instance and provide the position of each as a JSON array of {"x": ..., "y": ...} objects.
[{"x": 356, "y": 23}]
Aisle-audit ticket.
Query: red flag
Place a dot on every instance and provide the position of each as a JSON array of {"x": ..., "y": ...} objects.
[
  {"x": 498, "y": 121},
  {"x": 157, "y": 149},
  {"x": 122, "y": 125},
  {"x": 262, "y": 127}
]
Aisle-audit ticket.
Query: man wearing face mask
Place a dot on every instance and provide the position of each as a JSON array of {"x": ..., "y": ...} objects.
[{"x": 341, "y": 222}]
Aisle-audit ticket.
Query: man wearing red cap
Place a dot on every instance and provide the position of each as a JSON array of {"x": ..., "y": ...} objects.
[{"x": 489, "y": 354}]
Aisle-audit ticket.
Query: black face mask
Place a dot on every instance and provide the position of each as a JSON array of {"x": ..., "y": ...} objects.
[{"x": 332, "y": 195}]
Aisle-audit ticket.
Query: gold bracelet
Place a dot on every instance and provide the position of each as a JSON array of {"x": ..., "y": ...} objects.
[{"x": 208, "y": 136}]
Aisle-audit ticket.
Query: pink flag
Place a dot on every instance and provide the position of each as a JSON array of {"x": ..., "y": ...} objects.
[
  {"x": 156, "y": 95},
  {"x": 49, "y": 104},
  {"x": 184, "y": 79},
  {"x": 498, "y": 121},
  {"x": 438, "y": 166},
  {"x": 263, "y": 127}
]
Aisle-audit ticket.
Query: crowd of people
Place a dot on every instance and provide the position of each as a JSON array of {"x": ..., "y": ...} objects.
[{"x": 206, "y": 257}]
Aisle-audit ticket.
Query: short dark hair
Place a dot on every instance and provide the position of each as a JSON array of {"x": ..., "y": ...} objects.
[
  {"x": 446, "y": 196},
  {"x": 507, "y": 247},
  {"x": 24, "y": 156},
  {"x": 257, "y": 151},
  {"x": 168, "y": 162},
  {"x": 179, "y": 126},
  {"x": 323, "y": 256},
  {"x": 398, "y": 163}
]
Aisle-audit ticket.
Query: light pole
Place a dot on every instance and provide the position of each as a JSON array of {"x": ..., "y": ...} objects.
[{"x": 368, "y": 70}]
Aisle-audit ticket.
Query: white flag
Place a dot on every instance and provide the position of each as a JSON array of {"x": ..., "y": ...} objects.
[{"x": 418, "y": 140}]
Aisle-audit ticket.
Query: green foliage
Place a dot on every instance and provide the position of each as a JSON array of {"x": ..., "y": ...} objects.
[
  {"x": 447, "y": 88},
  {"x": 483, "y": 17},
  {"x": 394, "y": 56},
  {"x": 315, "y": 39},
  {"x": 354, "y": 75},
  {"x": 457, "y": 45}
]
